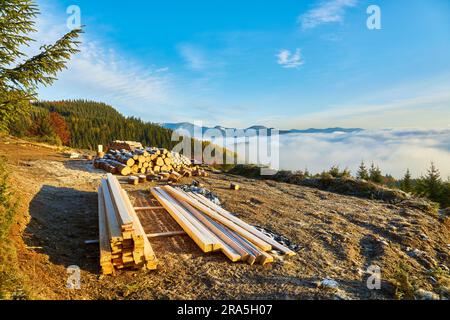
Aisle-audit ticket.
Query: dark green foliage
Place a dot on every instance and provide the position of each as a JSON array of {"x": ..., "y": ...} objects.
[
  {"x": 431, "y": 185},
  {"x": 19, "y": 75},
  {"x": 362, "y": 173},
  {"x": 406, "y": 184},
  {"x": 335, "y": 172},
  {"x": 93, "y": 123},
  {"x": 375, "y": 174}
]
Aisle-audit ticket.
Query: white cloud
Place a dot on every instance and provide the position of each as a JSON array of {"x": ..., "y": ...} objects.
[
  {"x": 103, "y": 74},
  {"x": 393, "y": 150},
  {"x": 288, "y": 60},
  {"x": 327, "y": 11},
  {"x": 193, "y": 56}
]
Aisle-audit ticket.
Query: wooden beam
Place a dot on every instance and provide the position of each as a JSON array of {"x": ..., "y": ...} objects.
[
  {"x": 202, "y": 242},
  {"x": 216, "y": 216},
  {"x": 212, "y": 239},
  {"x": 237, "y": 253},
  {"x": 243, "y": 224},
  {"x": 115, "y": 231},
  {"x": 166, "y": 234},
  {"x": 149, "y": 255},
  {"x": 104, "y": 246},
  {"x": 149, "y": 235},
  {"x": 148, "y": 208},
  {"x": 115, "y": 188}
]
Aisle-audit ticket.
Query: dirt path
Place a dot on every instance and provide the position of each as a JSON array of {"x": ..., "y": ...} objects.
[{"x": 339, "y": 237}]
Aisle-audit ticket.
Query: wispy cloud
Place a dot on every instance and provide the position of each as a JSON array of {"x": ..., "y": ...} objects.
[
  {"x": 290, "y": 60},
  {"x": 194, "y": 57},
  {"x": 326, "y": 11},
  {"x": 101, "y": 73}
]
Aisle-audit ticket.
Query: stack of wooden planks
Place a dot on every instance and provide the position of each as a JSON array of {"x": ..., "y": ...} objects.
[
  {"x": 213, "y": 228},
  {"x": 123, "y": 242},
  {"x": 151, "y": 161}
]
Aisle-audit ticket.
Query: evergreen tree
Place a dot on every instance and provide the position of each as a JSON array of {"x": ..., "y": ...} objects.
[
  {"x": 362, "y": 173},
  {"x": 406, "y": 183},
  {"x": 20, "y": 75},
  {"x": 375, "y": 174},
  {"x": 431, "y": 185}
]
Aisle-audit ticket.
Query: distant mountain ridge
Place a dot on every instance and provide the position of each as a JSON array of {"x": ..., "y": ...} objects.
[{"x": 190, "y": 128}]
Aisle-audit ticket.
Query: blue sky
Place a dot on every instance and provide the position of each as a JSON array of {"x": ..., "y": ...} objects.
[{"x": 288, "y": 64}]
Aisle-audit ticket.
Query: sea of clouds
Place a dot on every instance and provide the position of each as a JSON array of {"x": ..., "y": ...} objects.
[{"x": 393, "y": 150}]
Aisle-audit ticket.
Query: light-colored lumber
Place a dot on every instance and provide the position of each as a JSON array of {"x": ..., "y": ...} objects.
[
  {"x": 148, "y": 208},
  {"x": 105, "y": 251},
  {"x": 115, "y": 231},
  {"x": 202, "y": 230},
  {"x": 216, "y": 243},
  {"x": 166, "y": 234},
  {"x": 149, "y": 235},
  {"x": 220, "y": 234},
  {"x": 149, "y": 254},
  {"x": 115, "y": 188},
  {"x": 216, "y": 216},
  {"x": 202, "y": 242},
  {"x": 244, "y": 225}
]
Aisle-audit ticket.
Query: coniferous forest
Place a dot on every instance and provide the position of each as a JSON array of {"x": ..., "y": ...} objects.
[{"x": 89, "y": 124}]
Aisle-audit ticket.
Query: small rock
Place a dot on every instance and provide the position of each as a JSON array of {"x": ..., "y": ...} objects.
[
  {"x": 426, "y": 295},
  {"x": 328, "y": 284},
  {"x": 424, "y": 237}
]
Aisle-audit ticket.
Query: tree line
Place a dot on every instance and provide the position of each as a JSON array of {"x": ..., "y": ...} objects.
[
  {"x": 431, "y": 185},
  {"x": 86, "y": 124}
]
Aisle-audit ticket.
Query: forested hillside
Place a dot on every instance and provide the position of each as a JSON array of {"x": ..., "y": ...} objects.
[{"x": 90, "y": 124}]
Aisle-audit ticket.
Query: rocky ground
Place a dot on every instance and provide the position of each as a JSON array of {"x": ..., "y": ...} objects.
[{"x": 339, "y": 239}]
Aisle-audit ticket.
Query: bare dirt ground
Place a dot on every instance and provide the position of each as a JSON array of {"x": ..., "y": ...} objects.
[{"x": 338, "y": 236}]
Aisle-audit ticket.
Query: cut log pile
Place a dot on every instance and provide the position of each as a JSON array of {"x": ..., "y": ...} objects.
[
  {"x": 123, "y": 242},
  {"x": 213, "y": 228},
  {"x": 126, "y": 145},
  {"x": 149, "y": 161}
]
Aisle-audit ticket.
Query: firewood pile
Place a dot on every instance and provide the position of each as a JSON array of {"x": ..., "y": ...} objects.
[
  {"x": 126, "y": 145},
  {"x": 152, "y": 162},
  {"x": 123, "y": 242}
]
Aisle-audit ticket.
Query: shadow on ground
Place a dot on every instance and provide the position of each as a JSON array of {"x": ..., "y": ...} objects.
[{"x": 61, "y": 219}]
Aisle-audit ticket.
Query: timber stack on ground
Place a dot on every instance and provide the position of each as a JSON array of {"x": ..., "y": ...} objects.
[
  {"x": 149, "y": 161},
  {"x": 123, "y": 242},
  {"x": 126, "y": 145},
  {"x": 213, "y": 228}
]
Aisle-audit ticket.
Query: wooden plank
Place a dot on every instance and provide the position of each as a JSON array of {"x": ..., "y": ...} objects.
[
  {"x": 223, "y": 236},
  {"x": 216, "y": 216},
  {"x": 208, "y": 237},
  {"x": 150, "y": 257},
  {"x": 138, "y": 233},
  {"x": 216, "y": 244},
  {"x": 105, "y": 251},
  {"x": 148, "y": 208},
  {"x": 166, "y": 234},
  {"x": 243, "y": 224},
  {"x": 202, "y": 242},
  {"x": 115, "y": 188},
  {"x": 115, "y": 232}
]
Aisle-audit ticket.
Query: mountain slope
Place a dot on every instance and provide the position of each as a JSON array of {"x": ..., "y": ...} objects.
[
  {"x": 92, "y": 123},
  {"x": 191, "y": 127}
]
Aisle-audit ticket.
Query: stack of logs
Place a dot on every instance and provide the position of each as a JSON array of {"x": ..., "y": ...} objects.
[
  {"x": 149, "y": 161},
  {"x": 123, "y": 242},
  {"x": 126, "y": 145}
]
